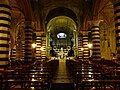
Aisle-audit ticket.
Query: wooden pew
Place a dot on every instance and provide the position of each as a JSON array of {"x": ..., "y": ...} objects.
[
  {"x": 100, "y": 84},
  {"x": 25, "y": 73},
  {"x": 86, "y": 76},
  {"x": 8, "y": 84},
  {"x": 108, "y": 73},
  {"x": 42, "y": 76}
]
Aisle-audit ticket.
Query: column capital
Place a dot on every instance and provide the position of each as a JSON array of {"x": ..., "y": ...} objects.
[
  {"x": 94, "y": 22},
  {"x": 28, "y": 23}
]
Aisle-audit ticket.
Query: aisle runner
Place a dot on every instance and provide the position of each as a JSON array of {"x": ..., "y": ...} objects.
[
  {"x": 62, "y": 75},
  {"x": 63, "y": 86}
]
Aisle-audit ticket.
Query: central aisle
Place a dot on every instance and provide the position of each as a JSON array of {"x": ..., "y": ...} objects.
[{"x": 62, "y": 75}]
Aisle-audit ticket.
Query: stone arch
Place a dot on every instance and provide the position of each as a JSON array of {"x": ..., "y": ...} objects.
[{"x": 61, "y": 11}]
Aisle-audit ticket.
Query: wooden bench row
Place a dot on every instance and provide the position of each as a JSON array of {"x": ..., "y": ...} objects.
[
  {"x": 84, "y": 71},
  {"x": 9, "y": 84},
  {"x": 31, "y": 77},
  {"x": 99, "y": 84}
]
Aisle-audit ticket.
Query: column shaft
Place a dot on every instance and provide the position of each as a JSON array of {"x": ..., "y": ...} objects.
[
  {"x": 5, "y": 19},
  {"x": 28, "y": 44},
  {"x": 39, "y": 44},
  {"x": 96, "y": 55},
  {"x": 23, "y": 51},
  {"x": 80, "y": 47},
  {"x": 85, "y": 46},
  {"x": 13, "y": 56},
  {"x": 117, "y": 27}
]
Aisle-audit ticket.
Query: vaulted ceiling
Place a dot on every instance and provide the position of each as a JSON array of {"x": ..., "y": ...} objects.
[
  {"x": 61, "y": 24},
  {"x": 40, "y": 12}
]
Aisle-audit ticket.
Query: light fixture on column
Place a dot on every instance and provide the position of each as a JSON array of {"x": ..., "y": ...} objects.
[
  {"x": 34, "y": 45},
  {"x": 90, "y": 47},
  {"x": 42, "y": 48},
  {"x": 82, "y": 49}
]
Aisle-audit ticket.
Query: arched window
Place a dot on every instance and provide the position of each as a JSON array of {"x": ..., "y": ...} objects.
[{"x": 61, "y": 35}]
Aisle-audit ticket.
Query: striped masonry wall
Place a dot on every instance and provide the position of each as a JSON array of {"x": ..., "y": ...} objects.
[
  {"x": 117, "y": 27},
  {"x": 13, "y": 57},
  {"x": 39, "y": 44},
  {"x": 96, "y": 55},
  {"x": 43, "y": 51},
  {"x": 85, "y": 47},
  {"x": 14, "y": 53},
  {"x": 5, "y": 19},
  {"x": 80, "y": 47},
  {"x": 28, "y": 44},
  {"x": 23, "y": 51}
]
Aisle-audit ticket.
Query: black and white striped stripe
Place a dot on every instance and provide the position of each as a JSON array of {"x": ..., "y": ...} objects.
[
  {"x": 38, "y": 42},
  {"x": 23, "y": 51},
  {"x": 5, "y": 20},
  {"x": 43, "y": 52},
  {"x": 85, "y": 47},
  {"x": 96, "y": 54},
  {"x": 28, "y": 44},
  {"x": 13, "y": 57},
  {"x": 117, "y": 27},
  {"x": 80, "y": 47}
]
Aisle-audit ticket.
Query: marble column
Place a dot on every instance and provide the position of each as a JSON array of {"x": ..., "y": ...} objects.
[
  {"x": 39, "y": 44},
  {"x": 13, "y": 53},
  {"x": 117, "y": 27},
  {"x": 5, "y": 20},
  {"x": 96, "y": 54},
  {"x": 85, "y": 46},
  {"x": 28, "y": 42},
  {"x": 80, "y": 46}
]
